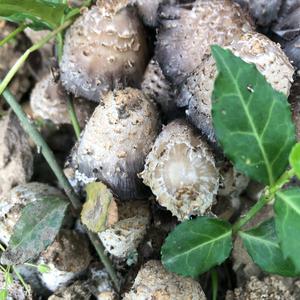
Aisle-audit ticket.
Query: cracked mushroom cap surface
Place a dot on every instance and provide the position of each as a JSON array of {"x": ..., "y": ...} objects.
[
  {"x": 48, "y": 101},
  {"x": 187, "y": 31},
  {"x": 103, "y": 52},
  {"x": 255, "y": 48},
  {"x": 154, "y": 282},
  {"x": 116, "y": 141},
  {"x": 181, "y": 171}
]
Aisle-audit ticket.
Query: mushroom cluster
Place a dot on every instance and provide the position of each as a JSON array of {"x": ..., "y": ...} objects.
[{"x": 140, "y": 75}]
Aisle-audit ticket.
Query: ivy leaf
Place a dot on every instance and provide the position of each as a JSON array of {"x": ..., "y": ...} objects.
[
  {"x": 42, "y": 14},
  {"x": 263, "y": 246},
  {"x": 252, "y": 121},
  {"x": 36, "y": 229},
  {"x": 295, "y": 159},
  {"x": 195, "y": 246},
  {"x": 287, "y": 212}
]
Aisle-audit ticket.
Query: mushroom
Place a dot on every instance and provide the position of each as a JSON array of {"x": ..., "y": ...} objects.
[
  {"x": 181, "y": 172},
  {"x": 116, "y": 141},
  {"x": 264, "y": 12},
  {"x": 9, "y": 54},
  {"x": 103, "y": 51},
  {"x": 48, "y": 101},
  {"x": 16, "y": 159},
  {"x": 187, "y": 31},
  {"x": 123, "y": 238},
  {"x": 292, "y": 50},
  {"x": 154, "y": 282},
  {"x": 12, "y": 204},
  {"x": 67, "y": 257},
  {"x": 157, "y": 87},
  {"x": 254, "y": 48}
]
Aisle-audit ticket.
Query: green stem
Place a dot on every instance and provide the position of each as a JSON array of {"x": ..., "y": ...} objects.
[
  {"x": 13, "y": 34},
  {"x": 12, "y": 72},
  {"x": 73, "y": 116},
  {"x": 30, "y": 128},
  {"x": 266, "y": 198},
  {"x": 214, "y": 282},
  {"x": 21, "y": 280}
]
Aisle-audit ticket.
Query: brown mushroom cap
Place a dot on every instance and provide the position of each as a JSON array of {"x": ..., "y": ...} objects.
[
  {"x": 103, "y": 52},
  {"x": 116, "y": 141},
  {"x": 48, "y": 100},
  {"x": 255, "y": 48},
  {"x": 181, "y": 172},
  {"x": 154, "y": 282},
  {"x": 186, "y": 34}
]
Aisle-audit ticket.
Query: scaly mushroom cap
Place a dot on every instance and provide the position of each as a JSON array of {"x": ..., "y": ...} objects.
[
  {"x": 185, "y": 35},
  {"x": 158, "y": 88},
  {"x": 255, "y": 48},
  {"x": 116, "y": 141},
  {"x": 48, "y": 100},
  {"x": 154, "y": 282},
  {"x": 103, "y": 52},
  {"x": 264, "y": 12},
  {"x": 181, "y": 172}
]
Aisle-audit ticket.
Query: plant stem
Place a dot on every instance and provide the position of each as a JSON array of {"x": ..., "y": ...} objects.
[
  {"x": 214, "y": 283},
  {"x": 266, "y": 198},
  {"x": 13, "y": 34},
  {"x": 12, "y": 72},
  {"x": 250, "y": 214},
  {"x": 30, "y": 128},
  {"x": 73, "y": 116}
]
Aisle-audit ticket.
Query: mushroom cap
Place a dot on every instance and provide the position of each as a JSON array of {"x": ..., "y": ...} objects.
[
  {"x": 186, "y": 34},
  {"x": 157, "y": 87},
  {"x": 255, "y": 48},
  {"x": 181, "y": 172},
  {"x": 154, "y": 282},
  {"x": 292, "y": 50},
  {"x": 103, "y": 52},
  {"x": 116, "y": 140},
  {"x": 48, "y": 101},
  {"x": 263, "y": 11},
  {"x": 16, "y": 158}
]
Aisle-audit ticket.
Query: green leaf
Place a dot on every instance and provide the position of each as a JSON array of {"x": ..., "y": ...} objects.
[
  {"x": 295, "y": 159},
  {"x": 252, "y": 121},
  {"x": 3, "y": 294},
  {"x": 197, "y": 245},
  {"x": 96, "y": 210},
  {"x": 287, "y": 219},
  {"x": 42, "y": 14},
  {"x": 263, "y": 246},
  {"x": 36, "y": 229}
]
